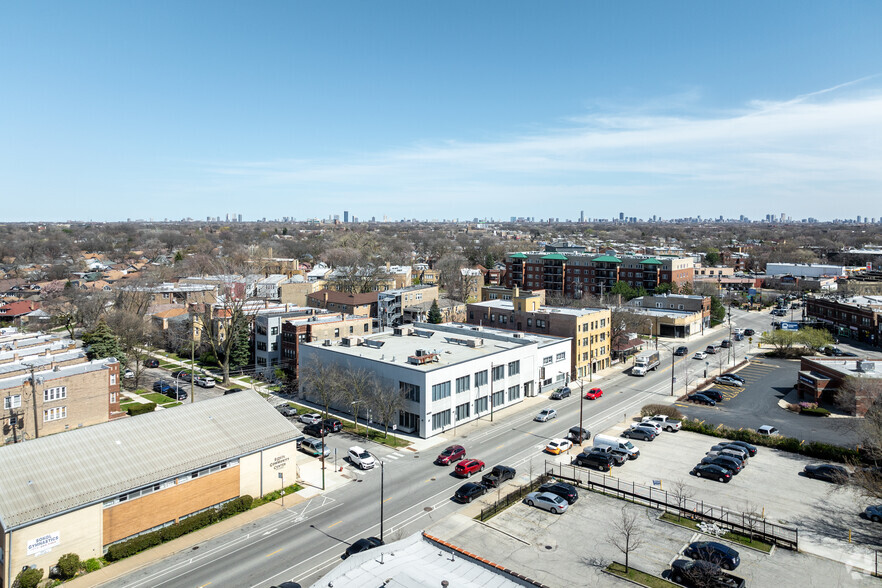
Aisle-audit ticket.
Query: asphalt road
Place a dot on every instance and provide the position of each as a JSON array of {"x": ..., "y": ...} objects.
[{"x": 305, "y": 541}]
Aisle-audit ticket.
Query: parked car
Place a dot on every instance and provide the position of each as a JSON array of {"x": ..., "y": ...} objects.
[
  {"x": 333, "y": 425},
  {"x": 181, "y": 374},
  {"x": 733, "y": 450},
  {"x": 725, "y": 343},
  {"x": 651, "y": 425},
  {"x": 874, "y": 513},
  {"x": 767, "y": 431},
  {"x": 205, "y": 381},
  {"x": 681, "y": 350},
  {"x": 467, "y": 467},
  {"x": 728, "y": 381},
  {"x": 560, "y": 393},
  {"x": 314, "y": 447},
  {"x": 232, "y": 391},
  {"x": 160, "y": 386},
  {"x": 316, "y": 430},
  {"x": 827, "y": 472},
  {"x": 469, "y": 491},
  {"x": 362, "y": 545},
  {"x": 617, "y": 456},
  {"x": 714, "y": 395},
  {"x": 749, "y": 332},
  {"x": 558, "y": 446},
  {"x": 286, "y": 410},
  {"x": 699, "y": 355},
  {"x": 710, "y": 350},
  {"x": 703, "y": 574},
  {"x": 546, "y": 414},
  {"x": 497, "y": 476},
  {"x": 360, "y": 457},
  {"x": 709, "y": 470},
  {"x": 547, "y": 501},
  {"x": 751, "y": 449},
  {"x": 735, "y": 377},
  {"x": 598, "y": 460},
  {"x": 714, "y": 552},
  {"x": 578, "y": 435},
  {"x": 151, "y": 363},
  {"x": 311, "y": 418},
  {"x": 733, "y": 464},
  {"x": 701, "y": 399},
  {"x": 593, "y": 393},
  {"x": 451, "y": 454},
  {"x": 128, "y": 374},
  {"x": 635, "y": 432},
  {"x": 665, "y": 422},
  {"x": 566, "y": 491},
  {"x": 176, "y": 392}
]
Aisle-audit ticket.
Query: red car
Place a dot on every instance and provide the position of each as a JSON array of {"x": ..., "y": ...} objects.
[
  {"x": 467, "y": 467},
  {"x": 451, "y": 454},
  {"x": 593, "y": 393}
]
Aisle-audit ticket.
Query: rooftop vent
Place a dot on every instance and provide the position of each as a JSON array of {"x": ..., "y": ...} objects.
[{"x": 866, "y": 366}]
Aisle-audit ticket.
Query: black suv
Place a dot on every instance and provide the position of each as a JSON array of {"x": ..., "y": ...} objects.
[
  {"x": 714, "y": 395},
  {"x": 682, "y": 350},
  {"x": 151, "y": 363},
  {"x": 560, "y": 393},
  {"x": 704, "y": 574},
  {"x": 333, "y": 425},
  {"x": 316, "y": 430},
  {"x": 565, "y": 491},
  {"x": 600, "y": 461},
  {"x": 723, "y": 555}
]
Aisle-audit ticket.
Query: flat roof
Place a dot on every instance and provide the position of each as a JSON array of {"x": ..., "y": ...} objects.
[
  {"x": 57, "y": 473},
  {"x": 452, "y": 342},
  {"x": 848, "y": 367},
  {"x": 61, "y": 372},
  {"x": 509, "y": 305},
  {"x": 41, "y": 360}
]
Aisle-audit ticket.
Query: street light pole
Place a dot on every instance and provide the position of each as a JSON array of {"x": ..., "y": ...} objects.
[
  {"x": 382, "y": 500},
  {"x": 581, "y": 403},
  {"x": 672, "y": 373},
  {"x": 491, "y": 392}
]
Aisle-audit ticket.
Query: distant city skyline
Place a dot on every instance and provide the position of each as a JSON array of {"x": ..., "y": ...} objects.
[{"x": 430, "y": 111}]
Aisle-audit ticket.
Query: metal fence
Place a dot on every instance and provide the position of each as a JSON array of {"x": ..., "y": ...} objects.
[
  {"x": 675, "y": 502},
  {"x": 512, "y": 497}
]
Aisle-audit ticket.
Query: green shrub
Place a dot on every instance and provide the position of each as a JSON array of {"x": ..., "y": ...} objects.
[
  {"x": 29, "y": 578},
  {"x": 821, "y": 412},
  {"x": 139, "y": 408},
  {"x": 665, "y": 409},
  {"x": 68, "y": 565},
  {"x": 825, "y": 451},
  {"x": 92, "y": 564}
]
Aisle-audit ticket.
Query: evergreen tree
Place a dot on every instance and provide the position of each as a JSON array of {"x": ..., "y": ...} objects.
[
  {"x": 240, "y": 354},
  {"x": 435, "y": 314},
  {"x": 103, "y": 343}
]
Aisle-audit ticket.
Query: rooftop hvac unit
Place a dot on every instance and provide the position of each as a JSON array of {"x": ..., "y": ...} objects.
[
  {"x": 327, "y": 343},
  {"x": 866, "y": 366},
  {"x": 475, "y": 343}
]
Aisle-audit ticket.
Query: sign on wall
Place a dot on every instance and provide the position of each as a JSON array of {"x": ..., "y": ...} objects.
[{"x": 44, "y": 544}]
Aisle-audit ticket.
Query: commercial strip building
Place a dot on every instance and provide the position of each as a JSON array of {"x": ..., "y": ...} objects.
[
  {"x": 820, "y": 378},
  {"x": 675, "y": 324},
  {"x": 587, "y": 328},
  {"x": 575, "y": 273},
  {"x": 450, "y": 374},
  {"x": 87, "y": 489},
  {"x": 858, "y": 317}
]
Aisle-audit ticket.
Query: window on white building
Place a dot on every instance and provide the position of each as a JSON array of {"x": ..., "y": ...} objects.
[
  {"x": 440, "y": 391},
  {"x": 12, "y": 402}
]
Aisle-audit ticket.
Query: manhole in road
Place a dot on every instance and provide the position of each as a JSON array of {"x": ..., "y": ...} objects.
[{"x": 429, "y": 508}]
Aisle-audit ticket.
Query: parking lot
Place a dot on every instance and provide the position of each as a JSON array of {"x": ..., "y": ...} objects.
[
  {"x": 768, "y": 381},
  {"x": 572, "y": 549}
]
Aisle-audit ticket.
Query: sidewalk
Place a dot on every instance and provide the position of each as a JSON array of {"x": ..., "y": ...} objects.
[{"x": 126, "y": 566}]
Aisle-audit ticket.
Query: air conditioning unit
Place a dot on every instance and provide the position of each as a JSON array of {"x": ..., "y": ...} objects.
[
  {"x": 866, "y": 366},
  {"x": 326, "y": 343},
  {"x": 475, "y": 343}
]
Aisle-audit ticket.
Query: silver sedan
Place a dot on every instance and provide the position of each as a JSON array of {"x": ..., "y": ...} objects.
[{"x": 547, "y": 501}]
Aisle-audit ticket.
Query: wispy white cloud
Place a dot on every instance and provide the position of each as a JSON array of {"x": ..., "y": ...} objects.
[{"x": 816, "y": 154}]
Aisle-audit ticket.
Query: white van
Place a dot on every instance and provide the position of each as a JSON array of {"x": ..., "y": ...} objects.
[{"x": 617, "y": 444}]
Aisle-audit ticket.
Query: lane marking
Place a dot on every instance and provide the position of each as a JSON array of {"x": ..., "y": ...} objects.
[
  {"x": 335, "y": 524},
  {"x": 269, "y": 554},
  {"x": 388, "y": 499}
]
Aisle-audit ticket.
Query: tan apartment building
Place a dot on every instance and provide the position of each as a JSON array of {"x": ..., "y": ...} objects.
[
  {"x": 56, "y": 498},
  {"x": 296, "y": 292},
  {"x": 589, "y": 328},
  {"x": 503, "y": 293},
  {"x": 333, "y": 301}
]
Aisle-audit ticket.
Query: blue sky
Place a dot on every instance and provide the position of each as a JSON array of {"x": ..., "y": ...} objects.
[{"x": 115, "y": 110}]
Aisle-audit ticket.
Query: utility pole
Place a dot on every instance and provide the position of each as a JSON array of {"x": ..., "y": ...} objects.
[
  {"x": 193, "y": 362},
  {"x": 731, "y": 343},
  {"x": 672, "y": 373},
  {"x": 581, "y": 403},
  {"x": 34, "y": 399},
  {"x": 491, "y": 392}
]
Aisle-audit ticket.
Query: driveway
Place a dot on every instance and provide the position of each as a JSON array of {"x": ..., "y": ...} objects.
[{"x": 756, "y": 404}]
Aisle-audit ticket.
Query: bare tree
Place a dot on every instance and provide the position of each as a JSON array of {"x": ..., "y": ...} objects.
[
  {"x": 135, "y": 335},
  {"x": 452, "y": 280},
  {"x": 356, "y": 384},
  {"x": 385, "y": 398},
  {"x": 621, "y": 322},
  {"x": 353, "y": 272},
  {"x": 322, "y": 381},
  {"x": 681, "y": 493},
  {"x": 626, "y": 535}
]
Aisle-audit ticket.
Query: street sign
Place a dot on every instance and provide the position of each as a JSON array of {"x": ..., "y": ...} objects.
[{"x": 789, "y": 326}]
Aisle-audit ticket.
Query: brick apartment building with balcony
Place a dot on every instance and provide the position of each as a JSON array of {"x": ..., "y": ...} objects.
[
  {"x": 577, "y": 273},
  {"x": 320, "y": 327}
]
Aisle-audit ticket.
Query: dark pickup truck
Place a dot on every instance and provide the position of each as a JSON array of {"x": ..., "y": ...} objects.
[{"x": 497, "y": 476}]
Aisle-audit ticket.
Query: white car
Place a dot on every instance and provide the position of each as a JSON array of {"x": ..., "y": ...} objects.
[
  {"x": 699, "y": 355},
  {"x": 767, "y": 430},
  {"x": 558, "y": 446},
  {"x": 204, "y": 381},
  {"x": 361, "y": 458},
  {"x": 128, "y": 374},
  {"x": 546, "y": 414},
  {"x": 651, "y": 425},
  {"x": 311, "y": 418}
]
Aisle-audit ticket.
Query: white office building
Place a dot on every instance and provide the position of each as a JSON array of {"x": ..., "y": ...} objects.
[{"x": 451, "y": 374}]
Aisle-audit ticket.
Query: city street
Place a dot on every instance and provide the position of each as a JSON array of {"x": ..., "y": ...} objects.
[{"x": 305, "y": 541}]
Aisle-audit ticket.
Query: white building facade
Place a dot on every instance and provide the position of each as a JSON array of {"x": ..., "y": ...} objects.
[{"x": 452, "y": 374}]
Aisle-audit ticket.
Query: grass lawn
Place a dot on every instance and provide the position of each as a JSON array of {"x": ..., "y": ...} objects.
[
  {"x": 729, "y": 535},
  {"x": 275, "y": 495},
  {"x": 348, "y": 426},
  {"x": 157, "y": 398},
  {"x": 639, "y": 577},
  {"x": 172, "y": 404}
]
